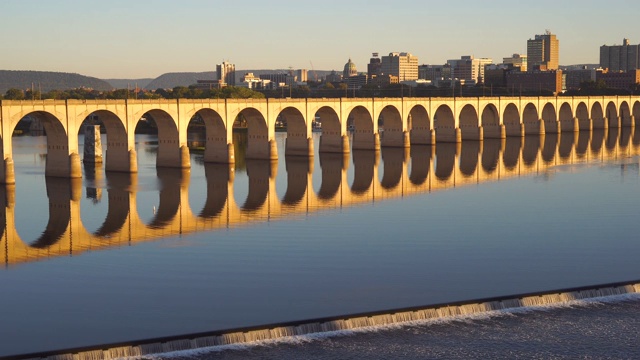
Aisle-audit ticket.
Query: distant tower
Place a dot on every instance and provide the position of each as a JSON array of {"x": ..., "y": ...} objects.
[
  {"x": 349, "y": 69},
  {"x": 403, "y": 65},
  {"x": 543, "y": 52},
  {"x": 226, "y": 73},
  {"x": 375, "y": 65}
]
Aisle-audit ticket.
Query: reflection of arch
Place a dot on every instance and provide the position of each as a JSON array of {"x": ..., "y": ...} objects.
[
  {"x": 419, "y": 126},
  {"x": 582, "y": 145},
  {"x": 258, "y": 145},
  {"x": 612, "y": 115},
  {"x": 218, "y": 177},
  {"x": 597, "y": 117},
  {"x": 532, "y": 124},
  {"x": 511, "y": 121},
  {"x": 445, "y": 160},
  {"x": 468, "y": 123},
  {"x": 597, "y": 138},
  {"x": 469, "y": 152},
  {"x": 625, "y": 114},
  {"x": 332, "y": 169},
  {"x": 170, "y": 183},
  {"x": 511, "y": 154},
  {"x": 491, "y": 122},
  {"x": 549, "y": 147},
  {"x": 611, "y": 139},
  {"x": 363, "y": 164},
  {"x": 530, "y": 149},
  {"x": 298, "y": 169},
  {"x": 550, "y": 119},
  {"x": 61, "y": 192},
  {"x": 259, "y": 173},
  {"x": 420, "y": 163},
  {"x": 393, "y": 164},
  {"x": 119, "y": 187},
  {"x": 169, "y": 151},
  {"x": 445, "y": 125},
  {"x": 331, "y": 139},
  {"x": 298, "y": 140},
  {"x": 625, "y": 137},
  {"x": 567, "y": 121},
  {"x": 490, "y": 154},
  {"x": 363, "y": 136},
  {"x": 566, "y": 145},
  {"x": 393, "y": 135},
  {"x": 582, "y": 113}
]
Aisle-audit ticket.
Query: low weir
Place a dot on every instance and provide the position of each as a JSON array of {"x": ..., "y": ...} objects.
[{"x": 335, "y": 323}]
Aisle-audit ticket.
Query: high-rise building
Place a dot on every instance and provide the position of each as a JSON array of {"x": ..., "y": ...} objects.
[
  {"x": 543, "y": 52},
  {"x": 349, "y": 69},
  {"x": 226, "y": 73},
  {"x": 623, "y": 57},
  {"x": 302, "y": 75},
  {"x": 374, "y": 68},
  {"x": 403, "y": 65},
  {"x": 516, "y": 61},
  {"x": 468, "y": 68}
]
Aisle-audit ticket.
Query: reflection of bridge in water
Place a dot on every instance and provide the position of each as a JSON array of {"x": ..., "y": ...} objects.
[{"x": 406, "y": 172}]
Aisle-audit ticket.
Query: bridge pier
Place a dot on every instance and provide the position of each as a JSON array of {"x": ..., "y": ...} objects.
[
  {"x": 614, "y": 121},
  {"x": 494, "y": 132},
  {"x": 627, "y": 121},
  {"x": 542, "y": 128},
  {"x": 298, "y": 147},
  {"x": 8, "y": 172},
  {"x": 552, "y": 127}
]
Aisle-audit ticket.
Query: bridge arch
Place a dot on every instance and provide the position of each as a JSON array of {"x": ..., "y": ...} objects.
[
  {"x": 549, "y": 119},
  {"x": 625, "y": 114},
  {"x": 419, "y": 126},
  {"x": 491, "y": 128},
  {"x": 636, "y": 112},
  {"x": 469, "y": 124},
  {"x": 444, "y": 124},
  {"x": 363, "y": 136},
  {"x": 582, "y": 113},
  {"x": 567, "y": 121},
  {"x": 208, "y": 124},
  {"x": 531, "y": 121},
  {"x": 511, "y": 121},
  {"x": 612, "y": 115},
  {"x": 331, "y": 139},
  {"x": 597, "y": 116},
  {"x": 298, "y": 142},
  {"x": 392, "y": 132},
  {"x": 170, "y": 153},
  {"x": 258, "y": 144},
  {"x": 117, "y": 155}
]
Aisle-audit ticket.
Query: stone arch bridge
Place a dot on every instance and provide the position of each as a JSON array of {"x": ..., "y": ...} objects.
[{"x": 374, "y": 122}]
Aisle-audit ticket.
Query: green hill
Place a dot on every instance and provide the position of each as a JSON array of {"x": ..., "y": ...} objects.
[{"x": 48, "y": 80}]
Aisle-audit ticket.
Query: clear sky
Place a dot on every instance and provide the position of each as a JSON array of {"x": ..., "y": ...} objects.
[{"x": 146, "y": 38}]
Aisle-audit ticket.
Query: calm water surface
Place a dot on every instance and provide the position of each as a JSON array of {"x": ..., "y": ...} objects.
[{"x": 262, "y": 242}]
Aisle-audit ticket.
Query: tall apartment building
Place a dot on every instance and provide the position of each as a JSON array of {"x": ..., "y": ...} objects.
[
  {"x": 623, "y": 57},
  {"x": 543, "y": 52},
  {"x": 468, "y": 68},
  {"x": 403, "y": 65},
  {"x": 226, "y": 73}
]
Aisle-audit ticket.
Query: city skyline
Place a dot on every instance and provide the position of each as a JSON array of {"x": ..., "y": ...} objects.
[{"x": 132, "y": 40}]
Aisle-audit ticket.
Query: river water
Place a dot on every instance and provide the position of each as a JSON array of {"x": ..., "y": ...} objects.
[{"x": 218, "y": 248}]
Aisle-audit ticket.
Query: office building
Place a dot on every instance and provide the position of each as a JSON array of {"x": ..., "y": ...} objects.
[
  {"x": 403, "y": 65},
  {"x": 469, "y": 69},
  {"x": 623, "y": 57},
  {"x": 226, "y": 73},
  {"x": 619, "y": 80},
  {"x": 543, "y": 52},
  {"x": 374, "y": 68},
  {"x": 536, "y": 81},
  {"x": 517, "y": 61}
]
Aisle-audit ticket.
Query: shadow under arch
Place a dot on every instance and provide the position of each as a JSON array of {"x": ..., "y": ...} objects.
[
  {"x": 331, "y": 139},
  {"x": 298, "y": 139},
  {"x": 582, "y": 113},
  {"x": 169, "y": 152},
  {"x": 419, "y": 126},
  {"x": 333, "y": 166},
  {"x": 490, "y": 157},
  {"x": 469, "y": 152},
  {"x": 120, "y": 185},
  {"x": 259, "y": 172},
  {"x": 550, "y": 119},
  {"x": 512, "y": 150},
  {"x": 390, "y": 127},
  {"x": 469, "y": 123},
  {"x": 298, "y": 170},
  {"x": 363, "y": 166},
  {"x": 393, "y": 162},
  {"x": 420, "y": 163},
  {"x": 363, "y": 136},
  {"x": 60, "y": 192},
  {"x": 530, "y": 120},
  {"x": 208, "y": 124},
  {"x": 171, "y": 182},
  {"x": 445, "y": 125},
  {"x": 511, "y": 121},
  {"x": 218, "y": 177},
  {"x": 597, "y": 116},
  {"x": 490, "y": 121},
  {"x": 445, "y": 160}
]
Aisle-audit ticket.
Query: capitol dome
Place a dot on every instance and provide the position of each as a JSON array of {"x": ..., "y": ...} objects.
[{"x": 349, "y": 69}]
